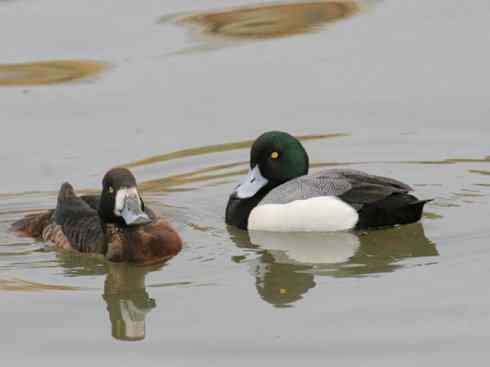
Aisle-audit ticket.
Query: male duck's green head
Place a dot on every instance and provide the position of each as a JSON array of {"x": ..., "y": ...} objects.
[
  {"x": 276, "y": 157},
  {"x": 279, "y": 156}
]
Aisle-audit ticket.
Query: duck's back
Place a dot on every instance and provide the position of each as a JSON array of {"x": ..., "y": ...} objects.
[
  {"x": 74, "y": 224},
  {"x": 355, "y": 187},
  {"x": 79, "y": 223}
]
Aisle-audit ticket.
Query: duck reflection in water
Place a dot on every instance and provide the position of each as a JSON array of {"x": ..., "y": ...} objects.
[
  {"x": 288, "y": 263},
  {"x": 125, "y": 293}
]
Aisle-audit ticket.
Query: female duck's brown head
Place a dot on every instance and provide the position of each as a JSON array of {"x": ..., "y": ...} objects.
[
  {"x": 136, "y": 233},
  {"x": 120, "y": 201}
]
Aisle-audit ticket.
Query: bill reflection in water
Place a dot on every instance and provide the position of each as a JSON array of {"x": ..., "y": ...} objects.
[{"x": 287, "y": 263}]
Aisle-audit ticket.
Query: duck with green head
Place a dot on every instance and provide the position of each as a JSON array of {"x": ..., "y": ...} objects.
[{"x": 279, "y": 195}]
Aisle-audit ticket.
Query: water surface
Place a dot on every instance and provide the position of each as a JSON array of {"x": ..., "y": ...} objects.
[{"x": 397, "y": 90}]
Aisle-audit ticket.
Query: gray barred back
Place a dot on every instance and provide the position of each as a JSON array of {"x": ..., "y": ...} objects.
[{"x": 355, "y": 187}]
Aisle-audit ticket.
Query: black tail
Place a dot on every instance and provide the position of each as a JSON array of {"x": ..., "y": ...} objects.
[{"x": 393, "y": 210}]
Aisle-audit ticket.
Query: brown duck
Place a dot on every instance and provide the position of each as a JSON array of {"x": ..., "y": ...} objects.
[{"x": 115, "y": 224}]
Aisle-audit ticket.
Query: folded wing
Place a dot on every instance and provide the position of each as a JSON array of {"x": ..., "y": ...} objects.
[
  {"x": 79, "y": 222},
  {"x": 354, "y": 187}
]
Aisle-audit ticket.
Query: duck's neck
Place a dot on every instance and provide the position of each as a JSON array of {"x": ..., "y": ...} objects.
[
  {"x": 108, "y": 217},
  {"x": 238, "y": 210}
]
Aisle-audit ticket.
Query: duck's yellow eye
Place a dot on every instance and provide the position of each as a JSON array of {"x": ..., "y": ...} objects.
[
  {"x": 275, "y": 155},
  {"x": 110, "y": 189}
]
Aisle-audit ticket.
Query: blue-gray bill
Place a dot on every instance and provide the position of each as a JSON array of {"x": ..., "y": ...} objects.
[
  {"x": 252, "y": 183},
  {"x": 132, "y": 213}
]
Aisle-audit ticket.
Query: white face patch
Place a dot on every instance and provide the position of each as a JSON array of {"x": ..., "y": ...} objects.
[
  {"x": 251, "y": 184},
  {"x": 128, "y": 206},
  {"x": 319, "y": 214},
  {"x": 121, "y": 196}
]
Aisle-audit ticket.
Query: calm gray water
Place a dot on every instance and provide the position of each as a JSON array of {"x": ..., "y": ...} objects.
[{"x": 391, "y": 87}]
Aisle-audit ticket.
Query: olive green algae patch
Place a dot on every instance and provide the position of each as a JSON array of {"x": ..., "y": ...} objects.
[
  {"x": 480, "y": 172},
  {"x": 19, "y": 285},
  {"x": 270, "y": 20},
  {"x": 48, "y": 72}
]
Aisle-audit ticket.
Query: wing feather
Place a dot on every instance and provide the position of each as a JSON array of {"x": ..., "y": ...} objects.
[{"x": 80, "y": 222}]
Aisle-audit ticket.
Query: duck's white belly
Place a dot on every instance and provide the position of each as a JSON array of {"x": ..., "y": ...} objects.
[{"x": 319, "y": 214}]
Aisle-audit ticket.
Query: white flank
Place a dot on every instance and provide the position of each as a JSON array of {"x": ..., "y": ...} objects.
[{"x": 320, "y": 214}]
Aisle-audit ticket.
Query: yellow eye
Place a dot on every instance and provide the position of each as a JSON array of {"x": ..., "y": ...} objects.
[
  {"x": 275, "y": 155},
  {"x": 110, "y": 189}
]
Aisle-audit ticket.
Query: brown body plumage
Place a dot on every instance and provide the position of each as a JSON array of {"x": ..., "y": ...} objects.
[{"x": 81, "y": 224}]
